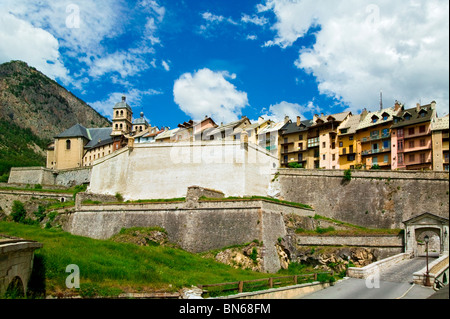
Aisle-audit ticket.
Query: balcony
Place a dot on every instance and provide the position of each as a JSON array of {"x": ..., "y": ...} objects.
[
  {"x": 345, "y": 153},
  {"x": 286, "y": 143},
  {"x": 416, "y": 134},
  {"x": 375, "y": 137},
  {"x": 426, "y": 147},
  {"x": 377, "y": 151}
]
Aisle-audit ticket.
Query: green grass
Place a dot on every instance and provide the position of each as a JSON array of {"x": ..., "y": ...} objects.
[
  {"x": 353, "y": 230},
  {"x": 107, "y": 267},
  {"x": 61, "y": 191},
  {"x": 258, "y": 198}
]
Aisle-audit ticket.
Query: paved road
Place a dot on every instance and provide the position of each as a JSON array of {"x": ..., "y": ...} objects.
[{"x": 396, "y": 283}]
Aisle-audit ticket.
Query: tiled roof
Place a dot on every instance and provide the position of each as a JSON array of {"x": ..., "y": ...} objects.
[
  {"x": 167, "y": 134},
  {"x": 77, "y": 130},
  {"x": 290, "y": 127},
  {"x": 367, "y": 121},
  {"x": 274, "y": 127},
  {"x": 441, "y": 123},
  {"x": 99, "y": 137},
  {"x": 415, "y": 116},
  {"x": 225, "y": 127},
  {"x": 351, "y": 124}
]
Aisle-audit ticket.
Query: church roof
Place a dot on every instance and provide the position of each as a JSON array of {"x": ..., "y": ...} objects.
[
  {"x": 77, "y": 130},
  {"x": 123, "y": 104}
]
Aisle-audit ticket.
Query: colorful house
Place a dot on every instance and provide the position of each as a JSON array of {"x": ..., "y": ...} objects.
[
  {"x": 440, "y": 140},
  {"x": 412, "y": 138},
  {"x": 374, "y": 138},
  {"x": 293, "y": 144},
  {"x": 348, "y": 143}
]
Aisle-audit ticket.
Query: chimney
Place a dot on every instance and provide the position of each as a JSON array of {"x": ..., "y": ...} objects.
[
  {"x": 299, "y": 120},
  {"x": 364, "y": 114},
  {"x": 397, "y": 106},
  {"x": 433, "y": 105},
  {"x": 260, "y": 120},
  {"x": 322, "y": 115},
  {"x": 418, "y": 107},
  {"x": 286, "y": 119},
  {"x": 315, "y": 118}
]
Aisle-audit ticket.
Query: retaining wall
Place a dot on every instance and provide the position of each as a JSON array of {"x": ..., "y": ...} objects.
[{"x": 376, "y": 199}]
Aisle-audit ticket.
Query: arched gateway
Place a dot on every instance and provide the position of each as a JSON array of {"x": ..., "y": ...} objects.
[{"x": 436, "y": 227}]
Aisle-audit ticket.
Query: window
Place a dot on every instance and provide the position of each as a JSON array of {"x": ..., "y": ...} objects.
[
  {"x": 385, "y": 117},
  {"x": 400, "y": 132},
  {"x": 412, "y": 158},
  {"x": 386, "y": 144},
  {"x": 351, "y": 149},
  {"x": 374, "y": 134},
  {"x": 300, "y": 157},
  {"x": 344, "y": 131},
  {"x": 374, "y": 146},
  {"x": 285, "y": 141},
  {"x": 374, "y": 119},
  {"x": 300, "y": 146},
  {"x": 350, "y": 158},
  {"x": 341, "y": 144},
  {"x": 422, "y": 129},
  {"x": 400, "y": 158},
  {"x": 285, "y": 159},
  {"x": 316, "y": 153},
  {"x": 351, "y": 138},
  {"x": 385, "y": 132},
  {"x": 313, "y": 142},
  {"x": 300, "y": 137},
  {"x": 422, "y": 114},
  {"x": 422, "y": 142},
  {"x": 411, "y": 131},
  {"x": 333, "y": 157},
  {"x": 411, "y": 144},
  {"x": 400, "y": 146},
  {"x": 422, "y": 158},
  {"x": 374, "y": 160},
  {"x": 324, "y": 157},
  {"x": 407, "y": 117},
  {"x": 324, "y": 144},
  {"x": 68, "y": 144},
  {"x": 386, "y": 159}
]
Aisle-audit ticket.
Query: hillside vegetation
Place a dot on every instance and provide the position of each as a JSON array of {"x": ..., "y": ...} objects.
[
  {"x": 109, "y": 268},
  {"x": 34, "y": 109}
]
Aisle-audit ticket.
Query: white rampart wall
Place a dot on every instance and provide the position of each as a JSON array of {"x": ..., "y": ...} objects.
[{"x": 160, "y": 171}]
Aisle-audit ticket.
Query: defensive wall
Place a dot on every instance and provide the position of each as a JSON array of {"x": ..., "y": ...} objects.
[
  {"x": 196, "y": 226},
  {"x": 166, "y": 170},
  {"x": 44, "y": 176},
  {"x": 377, "y": 199}
]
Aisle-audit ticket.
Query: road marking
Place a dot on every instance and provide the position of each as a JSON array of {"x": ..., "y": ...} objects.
[{"x": 406, "y": 292}]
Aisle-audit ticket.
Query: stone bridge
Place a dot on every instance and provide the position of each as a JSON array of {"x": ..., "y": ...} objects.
[{"x": 16, "y": 264}]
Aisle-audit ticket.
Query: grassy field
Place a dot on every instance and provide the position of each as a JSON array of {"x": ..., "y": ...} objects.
[{"x": 108, "y": 268}]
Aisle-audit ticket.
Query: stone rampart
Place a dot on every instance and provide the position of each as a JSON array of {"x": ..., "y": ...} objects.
[
  {"x": 376, "y": 199},
  {"x": 379, "y": 266},
  {"x": 48, "y": 177},
  {"x": 210, "y": 225},
  {"x": 168, "y": 169}
]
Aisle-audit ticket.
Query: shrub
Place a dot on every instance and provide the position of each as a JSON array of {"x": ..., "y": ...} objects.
[
  {"x": 348, "y": 175},
  {"x": 295, "y": 165},
  {"x": 38, "y": 186},
  {"x": 119, "y": 197},
  {"x": 18, "y": 212}
]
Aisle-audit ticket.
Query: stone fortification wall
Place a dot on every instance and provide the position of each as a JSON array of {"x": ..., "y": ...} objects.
[
  {"x": 31, "y": 176},
  {"x": 44, "y": 176},
  {"x": 210, "y": 225},
  {"x": 377, "y": 199},
  {"x": 161, "y": 171}
]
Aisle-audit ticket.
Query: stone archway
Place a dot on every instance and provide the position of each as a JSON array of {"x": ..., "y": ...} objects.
[
  {"x": 15, "y": 289},
  {"x": 436, "y": 227}
]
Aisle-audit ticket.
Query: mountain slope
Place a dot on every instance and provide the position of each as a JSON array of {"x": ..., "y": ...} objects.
[{"x": 33, "y": 109}]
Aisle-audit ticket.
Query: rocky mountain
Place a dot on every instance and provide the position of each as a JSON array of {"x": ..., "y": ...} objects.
[{"x": 33, "y": 109}]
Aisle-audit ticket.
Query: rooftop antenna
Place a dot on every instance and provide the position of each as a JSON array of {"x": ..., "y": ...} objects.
[{"x": 381, "y": 100}]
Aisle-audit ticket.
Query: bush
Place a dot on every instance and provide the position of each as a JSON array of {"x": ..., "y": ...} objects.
[
  {"x": 18, "y": 212},
  {"x": 295, "y": 165},
  {"x": 348, "y": 175},
  {"x": 38, "y": 186},
  {"x": 119, "y": 197}
]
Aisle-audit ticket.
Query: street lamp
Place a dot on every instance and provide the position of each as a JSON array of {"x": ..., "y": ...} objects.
[{"x": 427, "y": 276}]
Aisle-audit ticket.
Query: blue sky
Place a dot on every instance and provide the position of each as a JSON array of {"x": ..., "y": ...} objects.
[{"x": 181, "y": 60}]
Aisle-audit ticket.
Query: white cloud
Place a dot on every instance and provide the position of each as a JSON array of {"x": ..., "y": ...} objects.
[
  {"x": 21, "y": 41},
  {"x": 209, "y": 93},
  {"x": 98, "y": 22},
  {"x": 400, "y": 47},
  {"x": 252, "y": 37},
  {"x": 279, "y": 111},
  {"x": 254, "y": 19},
  {"x": 208, "y": 16},
  {"x": 134, "y": 99},
  {"x": 165, "y": 65}
]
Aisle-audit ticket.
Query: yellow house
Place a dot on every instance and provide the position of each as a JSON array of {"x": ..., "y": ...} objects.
[
  {"x": 440, "y": 140},
  {"x": 374, "y": 138},
  {"x": 348, "y": 143}
]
